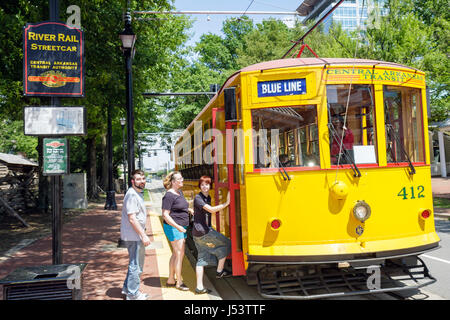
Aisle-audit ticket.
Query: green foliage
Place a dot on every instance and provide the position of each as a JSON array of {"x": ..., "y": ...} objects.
[
  {"x": 188, "y": 77},
  {"x": 441, "y": 202},
  {"x": 13, "y": 17},
  {"x": 221, "y": 53},
  {"x": 416, "y": 33},
  {"x": 12, "y": 140},
  {"x": 157, "y": 41},
  {"x": 268, "y": 41},
  {"x": 399, "y": 37}
]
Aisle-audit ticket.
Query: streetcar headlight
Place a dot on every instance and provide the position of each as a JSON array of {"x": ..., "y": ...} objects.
[{"x": 361, "y": 211}]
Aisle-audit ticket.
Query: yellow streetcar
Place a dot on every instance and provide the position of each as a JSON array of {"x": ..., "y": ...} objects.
[{"x": 328, "y": 165}]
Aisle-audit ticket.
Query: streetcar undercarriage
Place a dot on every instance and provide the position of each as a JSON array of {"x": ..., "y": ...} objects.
[{"x": 339, "y": 279}]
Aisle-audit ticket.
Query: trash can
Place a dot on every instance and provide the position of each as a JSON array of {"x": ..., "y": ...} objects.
[{"x": 49, "y": 282}]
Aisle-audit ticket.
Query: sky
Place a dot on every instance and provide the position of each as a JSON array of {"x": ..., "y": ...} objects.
[{"x": 214, "y": 25}]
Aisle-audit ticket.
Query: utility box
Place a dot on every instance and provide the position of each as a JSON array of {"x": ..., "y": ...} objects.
[
  {"x": 75, "y": 191},
  {"x": 52, "y": 282}
]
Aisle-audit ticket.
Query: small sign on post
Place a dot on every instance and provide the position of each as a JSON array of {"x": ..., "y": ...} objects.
[
  {"x": 56, "y": 155},
  {"x": 54, "y": 121}
]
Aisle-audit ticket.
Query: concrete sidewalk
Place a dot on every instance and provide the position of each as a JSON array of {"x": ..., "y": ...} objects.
[
  {"x": 441, "y": 189},
  {"x": 92, "y": 238}
]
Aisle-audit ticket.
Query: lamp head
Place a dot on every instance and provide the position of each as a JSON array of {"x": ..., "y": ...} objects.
[{"x": 127, "y": 36}]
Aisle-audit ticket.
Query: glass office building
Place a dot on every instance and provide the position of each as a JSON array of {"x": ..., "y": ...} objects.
[{"x": 351, "y": 14}]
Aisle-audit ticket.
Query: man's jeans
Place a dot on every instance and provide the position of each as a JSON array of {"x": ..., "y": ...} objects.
[{"x": 136, "y": 251}]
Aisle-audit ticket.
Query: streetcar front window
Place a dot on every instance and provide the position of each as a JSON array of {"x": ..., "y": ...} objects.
[
  {"x": 351, "y": 124},
  {"x": 285, "y": 137},
  {"x": 403, "y": 122}
]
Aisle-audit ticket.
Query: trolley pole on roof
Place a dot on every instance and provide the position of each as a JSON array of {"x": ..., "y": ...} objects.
[{"x": 300, "y": 40}]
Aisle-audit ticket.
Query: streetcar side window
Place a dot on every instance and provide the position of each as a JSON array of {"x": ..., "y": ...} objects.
[
  {"x": 285, "y": 137},
  {"x": 351, "y": 124},
  {"x": 404, "y": 126}
]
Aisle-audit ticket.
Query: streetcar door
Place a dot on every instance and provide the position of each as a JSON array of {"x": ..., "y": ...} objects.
[{"x": 231, "y": 98}]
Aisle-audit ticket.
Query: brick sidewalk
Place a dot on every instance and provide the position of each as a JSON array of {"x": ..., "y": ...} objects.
[
  {"x": 92, "y": 238},
  {"x": 441, "y": 189}
]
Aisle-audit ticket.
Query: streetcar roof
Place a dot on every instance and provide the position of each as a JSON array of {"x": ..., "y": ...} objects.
[
  {"x": 302, "y": 62},
  {"x": 298, "y": 62}
]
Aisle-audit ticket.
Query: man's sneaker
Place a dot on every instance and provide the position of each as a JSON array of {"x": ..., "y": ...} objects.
[
  {"x": 139, "y": 296},
  {"x": 202, "y": 291},
  {"x": 223, "y": 274}
]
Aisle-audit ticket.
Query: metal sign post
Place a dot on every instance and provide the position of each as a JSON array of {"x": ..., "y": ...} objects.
[
  {"x": 56, "y": 155},
  {"x": 54, "y": 67},
  {"x": 56, "y": 181}
]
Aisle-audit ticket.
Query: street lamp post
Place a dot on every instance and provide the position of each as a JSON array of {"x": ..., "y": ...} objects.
[
  {"x": 128, "y": 39},
  {"x": 122, "y": 123},
  {"x": 110, "y": 194},
  {"x": 140, "y": 154}
]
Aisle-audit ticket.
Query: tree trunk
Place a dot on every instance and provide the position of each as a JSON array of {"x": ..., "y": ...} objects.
[
  {"x": 92, "y": 169},
  {"x": 104, "y": 181}
]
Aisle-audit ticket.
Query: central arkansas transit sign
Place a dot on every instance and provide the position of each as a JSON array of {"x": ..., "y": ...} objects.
[{"x": 53, "y": 63}]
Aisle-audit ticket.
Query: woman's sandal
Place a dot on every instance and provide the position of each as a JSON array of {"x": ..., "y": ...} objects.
[
  {"x": 170, "y": 285},
  {"x": 182, "y": 287}
]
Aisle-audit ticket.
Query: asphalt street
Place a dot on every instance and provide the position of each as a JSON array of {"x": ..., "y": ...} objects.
[{"x": 438, "y": 261}]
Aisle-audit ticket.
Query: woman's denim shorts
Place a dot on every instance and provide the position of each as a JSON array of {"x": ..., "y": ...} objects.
[
  {"x": 211, "y": 247},
  {"x": 172, "y": 233}
]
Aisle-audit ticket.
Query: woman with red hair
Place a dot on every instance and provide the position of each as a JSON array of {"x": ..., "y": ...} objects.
[{"x": 212, "y": 246}]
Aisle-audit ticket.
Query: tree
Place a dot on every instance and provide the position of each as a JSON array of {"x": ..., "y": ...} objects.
[
  {"x": 268, "y": 41},
  {"x": 187, "y": 76},
  {"x": 415, "y": 33},
  {"x": 105, "y": 77},
  {"x": 220, "y": 53},
  {"x": 436, "y": 16},
  {"x": 13, "y": 140},
  {"x": 272, "y": 39}
]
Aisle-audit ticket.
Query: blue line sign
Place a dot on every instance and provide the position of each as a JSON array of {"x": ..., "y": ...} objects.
[{"x": 281, "y": 87}]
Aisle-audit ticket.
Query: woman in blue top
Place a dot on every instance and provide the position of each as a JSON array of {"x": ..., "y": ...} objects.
[
  {"x": 212, "y": 246},
  {"x": 175, "y": 211}
]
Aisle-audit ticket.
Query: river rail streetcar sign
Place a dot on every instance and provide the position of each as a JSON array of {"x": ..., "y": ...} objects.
[
  {"x": 53, "y": 60},
  {"x": 56, "y": 156},
  {"x": 54, "y": 121}
]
